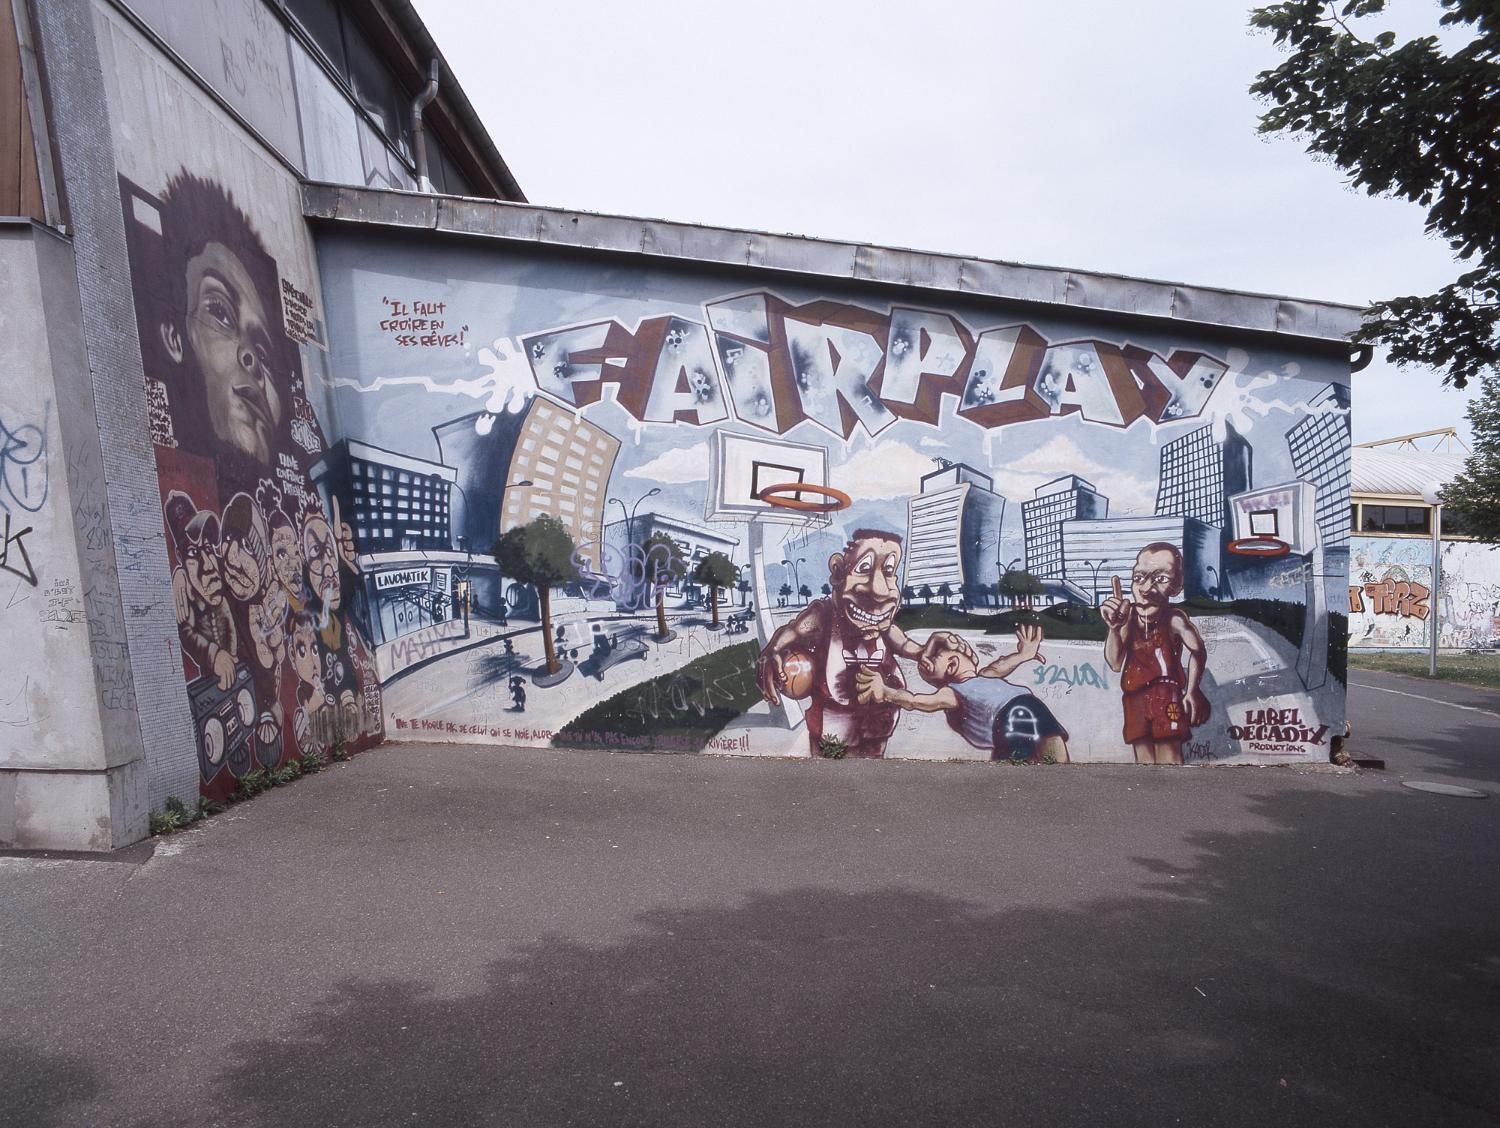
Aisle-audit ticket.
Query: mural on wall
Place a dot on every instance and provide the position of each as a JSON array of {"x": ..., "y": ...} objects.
[
  {"x": 599, "y": 505},
  {"x": 1391, "y": 605},
  {"x": 265, "y": 573}
]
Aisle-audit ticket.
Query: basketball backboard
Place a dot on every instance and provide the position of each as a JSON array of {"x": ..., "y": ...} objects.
[
  {"x": 1287, "y": 512},
  {"x": 741, "y": 466}
]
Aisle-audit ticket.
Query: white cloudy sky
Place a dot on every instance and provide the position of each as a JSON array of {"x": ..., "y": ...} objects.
[{"x": 1101, "y": 135}]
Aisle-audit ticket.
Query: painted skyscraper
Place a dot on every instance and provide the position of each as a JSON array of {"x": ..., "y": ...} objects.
[
  {"x": 1320, "y": 454},
  {"x": 952, "y": 528},
  {"x": 1069, "y": 498},
  {"x": 1200, "y": 471}
]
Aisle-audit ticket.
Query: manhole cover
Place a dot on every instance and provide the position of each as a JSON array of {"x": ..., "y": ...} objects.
[{"x": 1442, "y": 789}]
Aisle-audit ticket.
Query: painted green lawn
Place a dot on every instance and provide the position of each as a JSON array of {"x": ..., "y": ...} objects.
[
  {"x": 1482, "y": 670},
  {"x": 680, "y": 711}
]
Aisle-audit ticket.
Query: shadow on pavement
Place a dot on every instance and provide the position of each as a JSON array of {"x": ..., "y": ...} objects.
[
  {"x": 49, "y": 1089},
  {"x": 1275, "y": 981}
]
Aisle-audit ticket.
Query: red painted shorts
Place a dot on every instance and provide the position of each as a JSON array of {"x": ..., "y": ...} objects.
[{"x": 1156, "y": 713}]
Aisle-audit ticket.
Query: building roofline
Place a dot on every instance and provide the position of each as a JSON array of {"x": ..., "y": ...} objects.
[
  {"x": 369, "y": 452},
  {"x": 452, "y": 95},
  {"x": 823, "y": 258}
]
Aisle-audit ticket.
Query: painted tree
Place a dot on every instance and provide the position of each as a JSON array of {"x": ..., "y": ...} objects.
[
  {"x": 539, "y": 553},
  {"x": 716, "y": 571},
  {"x": 909, "y": 594},
  {"x": 1417, "y": 122},
  {"x": 945, "y": 593},
  {"x": 926, "y": 592},
  {"x": 1020, "y": 587},
  {"x": 805, "y": 592},
  {"x": 785, "y": 591},
  {"x": 827, "y": 589},
  {"x": 664, "y": 562}
]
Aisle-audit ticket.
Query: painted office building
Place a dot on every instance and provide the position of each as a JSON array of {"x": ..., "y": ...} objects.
[
  {"x": 1199, "y": 471},
  {"x": 953, "y": 528},
  {"x": 1069, "y": 498}
]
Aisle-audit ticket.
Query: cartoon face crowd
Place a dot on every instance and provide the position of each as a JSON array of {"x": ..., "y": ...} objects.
[
  {"x": 263, "y": 590},
  {"x": 839, "y": 654}
]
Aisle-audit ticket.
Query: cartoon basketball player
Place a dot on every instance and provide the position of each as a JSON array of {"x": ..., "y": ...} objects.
[
  {"x": 852, "y": 629},
  {"x": 1146, "y": 644},
  {"x": 978, "y": 703}
]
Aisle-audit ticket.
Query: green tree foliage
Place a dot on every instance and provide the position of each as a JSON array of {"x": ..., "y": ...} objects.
[
  {"x": 1416, "y": 122},
  {"x": 666, "y": 563},
  {"x": 1473, "y": 498},
  {"x": 539, "y": 553},
  {"x": 716, "y": 571}
]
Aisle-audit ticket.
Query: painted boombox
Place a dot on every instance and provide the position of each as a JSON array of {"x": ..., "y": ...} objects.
[{"x": 225, "y": 726}]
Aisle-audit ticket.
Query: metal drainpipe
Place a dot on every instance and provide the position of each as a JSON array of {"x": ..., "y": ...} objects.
[
  {"x": 1434, "y": 600},
  {"x": 418, "y": 131}
]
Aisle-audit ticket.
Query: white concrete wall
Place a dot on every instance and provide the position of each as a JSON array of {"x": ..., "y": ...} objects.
[{"x": 70, "y": 776}]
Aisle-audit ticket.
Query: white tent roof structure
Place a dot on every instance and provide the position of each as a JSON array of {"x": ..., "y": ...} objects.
[{"x": 1391, "y": 472}]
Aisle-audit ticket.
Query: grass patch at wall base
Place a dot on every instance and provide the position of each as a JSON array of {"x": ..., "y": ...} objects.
[{"x": 1482, "y": 670}]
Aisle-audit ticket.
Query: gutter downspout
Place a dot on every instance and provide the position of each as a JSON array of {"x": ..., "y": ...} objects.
[{"x": 418, "y": 130}]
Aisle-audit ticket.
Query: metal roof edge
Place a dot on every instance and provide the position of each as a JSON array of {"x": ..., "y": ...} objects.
[{"x": 858, "y": 262}]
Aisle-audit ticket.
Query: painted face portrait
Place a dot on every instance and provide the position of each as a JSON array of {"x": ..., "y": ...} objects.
[
  {"x": 286, "y": 556},
  {"x": 229, "y": 335},
  {"x": 867, "y": 587},
  {"x": 944, "y": 661},
  {"x": 274, "y": 608},
  {"x": 202, "y": 566},
  {"x": 307, "y": 658},
  {"x": 1154, "y": 579},
  {"x": 322, "y": 560},
  {"x": 244, "y": 549}
]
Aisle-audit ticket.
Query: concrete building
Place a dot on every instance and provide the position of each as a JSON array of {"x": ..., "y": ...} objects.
[
  {"x": 953, "y": 530},
  {"x": 1394, "y": 598},
  {"x": 1069, "y": 498},
  {"x": 134, "y": 126},
  {"x": 230, "y": 257},
  {"x": 1198, "y": 473},
  {"x": 1098, "y": 552}
]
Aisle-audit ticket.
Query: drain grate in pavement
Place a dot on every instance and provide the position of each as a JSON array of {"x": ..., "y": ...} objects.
[{"x": 1443, "y": 789}]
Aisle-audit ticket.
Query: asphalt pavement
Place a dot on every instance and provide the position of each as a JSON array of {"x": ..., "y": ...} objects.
[{"x": 431, "y": 935}]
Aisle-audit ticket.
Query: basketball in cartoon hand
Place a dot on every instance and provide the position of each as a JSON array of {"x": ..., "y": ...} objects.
[{"x": 798, "y": 666}]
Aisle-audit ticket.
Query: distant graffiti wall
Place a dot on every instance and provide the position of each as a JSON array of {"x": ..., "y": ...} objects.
[
  {"x": 600, "y": 505},
  {"x": 1391, "y": 604}
]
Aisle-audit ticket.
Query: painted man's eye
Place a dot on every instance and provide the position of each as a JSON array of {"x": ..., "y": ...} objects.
[{"x": 219, "y": 311}]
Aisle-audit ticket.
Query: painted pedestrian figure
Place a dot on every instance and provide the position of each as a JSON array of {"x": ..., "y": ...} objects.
[{"x": 1159, "y": 656}]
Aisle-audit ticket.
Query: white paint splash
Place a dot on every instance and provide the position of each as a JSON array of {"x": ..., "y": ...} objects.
[{"x": 507, "y": 386}]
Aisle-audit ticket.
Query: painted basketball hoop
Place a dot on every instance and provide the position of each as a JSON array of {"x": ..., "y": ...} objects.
[
  {"x": 783, "y": 495},
  {"x": 1261, "y": 546}
]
